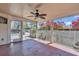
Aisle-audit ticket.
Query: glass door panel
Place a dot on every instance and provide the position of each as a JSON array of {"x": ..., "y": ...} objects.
[{"x": 15, "y": 31}]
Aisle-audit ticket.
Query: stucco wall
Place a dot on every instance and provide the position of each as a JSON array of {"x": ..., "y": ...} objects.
[{"x": 5, "y": 29}]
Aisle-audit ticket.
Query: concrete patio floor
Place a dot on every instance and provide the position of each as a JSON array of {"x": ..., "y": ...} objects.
[{"x": 31, "y": 47}]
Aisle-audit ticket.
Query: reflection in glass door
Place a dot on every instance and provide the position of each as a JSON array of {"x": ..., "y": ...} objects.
[{"x": 15, "y": 30}]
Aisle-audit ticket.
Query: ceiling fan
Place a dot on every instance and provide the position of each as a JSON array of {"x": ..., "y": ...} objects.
[{"x": 36, "y": 13}]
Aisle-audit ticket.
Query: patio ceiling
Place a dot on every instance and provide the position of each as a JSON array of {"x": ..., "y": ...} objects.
[{"x": 52, "y": 10}]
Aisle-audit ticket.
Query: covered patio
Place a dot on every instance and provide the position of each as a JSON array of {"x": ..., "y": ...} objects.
[{"x": 27, "y": 29}]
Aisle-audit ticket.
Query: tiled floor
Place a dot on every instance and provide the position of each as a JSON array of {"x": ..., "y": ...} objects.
[{"x": 31, "y": 48}]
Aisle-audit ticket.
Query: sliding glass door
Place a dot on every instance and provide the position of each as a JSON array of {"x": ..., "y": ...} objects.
[{"x": 16, "y": 31}]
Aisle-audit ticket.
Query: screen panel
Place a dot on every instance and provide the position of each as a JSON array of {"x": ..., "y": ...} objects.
[{"x": 66, "y": 23}]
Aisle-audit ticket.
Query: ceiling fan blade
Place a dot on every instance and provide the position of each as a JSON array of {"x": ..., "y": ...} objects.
[
  {"x": 42, "y": 17},
  {"x": 32, "y": 12},
  {"x": 42, "y": 14}
]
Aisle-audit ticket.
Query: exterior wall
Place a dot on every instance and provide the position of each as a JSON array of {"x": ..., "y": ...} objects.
[
  {"x": 5, "y": 29},
  {"x": 3, "y": 33}
]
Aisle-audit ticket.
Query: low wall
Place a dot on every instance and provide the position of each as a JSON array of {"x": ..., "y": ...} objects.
[
  {"x": 45, "y": 35},
  {"x": 69, "y": 38}
]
